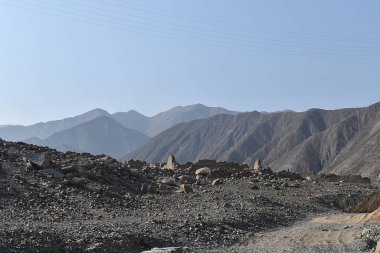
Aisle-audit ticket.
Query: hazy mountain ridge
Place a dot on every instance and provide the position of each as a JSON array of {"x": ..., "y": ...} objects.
[
  {"x": 314, "y": 140},
  {"x": 180, "y": 114},
  {"x": 102, "y": 135},
  {"x": 132, "y": 119},
  {"x": 74, "y": 133},
  {"x": 43, "y": 130},
  {"x": 152, "y": 126}
]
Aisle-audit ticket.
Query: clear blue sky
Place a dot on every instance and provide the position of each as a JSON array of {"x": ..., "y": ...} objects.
[{"x": 59, "y": 58}]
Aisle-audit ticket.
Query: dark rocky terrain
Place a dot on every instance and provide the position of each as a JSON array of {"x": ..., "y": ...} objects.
[
  {"x": 345, "y": 141},
  {"x": 76, "y": 202}
]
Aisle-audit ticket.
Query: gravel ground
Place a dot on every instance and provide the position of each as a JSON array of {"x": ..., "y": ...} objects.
[{"x": 69, "y": 202}]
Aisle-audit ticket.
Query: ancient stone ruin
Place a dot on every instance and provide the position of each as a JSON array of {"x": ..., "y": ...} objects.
[
  {"x": 171, "y": 164},
  {"x": 257, "y": 167}
]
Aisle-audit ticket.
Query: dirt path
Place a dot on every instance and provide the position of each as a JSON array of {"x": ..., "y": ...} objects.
[{"x": 328, "y": 233}]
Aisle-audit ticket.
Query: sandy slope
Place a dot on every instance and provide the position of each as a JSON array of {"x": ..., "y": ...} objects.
[{"x": 330, "y": 233}]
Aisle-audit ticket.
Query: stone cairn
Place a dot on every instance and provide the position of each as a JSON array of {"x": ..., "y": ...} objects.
[
  {"x": 257, "y": 167},
  {"x": 170, "y": 164}
]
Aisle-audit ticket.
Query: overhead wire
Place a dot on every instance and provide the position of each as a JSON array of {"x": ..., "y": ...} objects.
[
  {"x": 143, "y": 30},
  {"x": 171, "y": 13},
  {"x": 208, "y": 32}
]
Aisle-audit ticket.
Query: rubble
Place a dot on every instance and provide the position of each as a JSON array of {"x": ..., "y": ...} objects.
[{"x": 77, "y": 202}]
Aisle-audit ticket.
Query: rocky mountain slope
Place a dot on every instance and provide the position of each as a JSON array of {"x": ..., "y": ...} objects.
[
  {"x": 341, "y": 141},
  {"x": 101, "y": 135},
  {"x": 154, "y": 125}
]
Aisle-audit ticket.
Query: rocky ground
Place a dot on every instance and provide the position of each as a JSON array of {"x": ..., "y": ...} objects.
[{"x": 69, "y": 202}]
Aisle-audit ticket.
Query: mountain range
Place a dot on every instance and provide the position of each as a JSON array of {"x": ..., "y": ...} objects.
[
  {"x": 337, "y": 141},
  {"x": 99, "y": 132},
  {"x": 344, "y": 141}
]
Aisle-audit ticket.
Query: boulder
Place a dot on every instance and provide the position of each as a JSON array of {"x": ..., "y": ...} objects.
[
  {"x": 203, "y": 171},
  {"x": 38, "y": 161},
  {"x": 185, "y": 188},
  {"x": 165, "y": 250},
  {"x": 167, "y": 180},
  {"x": 217, "y": 182}
]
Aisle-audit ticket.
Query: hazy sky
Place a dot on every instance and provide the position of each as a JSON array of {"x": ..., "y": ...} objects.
[{"x": 60, "y": 58}]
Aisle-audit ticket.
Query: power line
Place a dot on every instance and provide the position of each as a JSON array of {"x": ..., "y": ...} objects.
[
  {"x": 173, "y": 36},
  {"x": 143, "y": 7},
  {"x": 234, "y": 37}
]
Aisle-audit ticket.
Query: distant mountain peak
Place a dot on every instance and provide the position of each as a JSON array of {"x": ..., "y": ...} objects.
[{"x": 98, "y": 111}]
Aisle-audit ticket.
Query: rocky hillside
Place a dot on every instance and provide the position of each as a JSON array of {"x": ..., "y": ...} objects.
[
  {"x": 70, "y": 202},
  {"x": 341, "y": 141},
  {"x": 154, "y": 125}
]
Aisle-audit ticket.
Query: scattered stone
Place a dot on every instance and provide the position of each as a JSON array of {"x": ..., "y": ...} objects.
[
  {"x": 167, "y": 180},
  {"x": 217, "y": 182},
  {"x": 102, "y": 205},
  {"x": 165, "y": 250},
  {"x": 203, "y": 171},
  {"x": 185, "y": 188},
  {"x": 365, "y": 232},
  {"x": 38, "y": 161}
]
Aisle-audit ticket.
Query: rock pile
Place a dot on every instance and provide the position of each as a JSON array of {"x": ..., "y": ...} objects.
[{"x": 76, "y": 202}]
